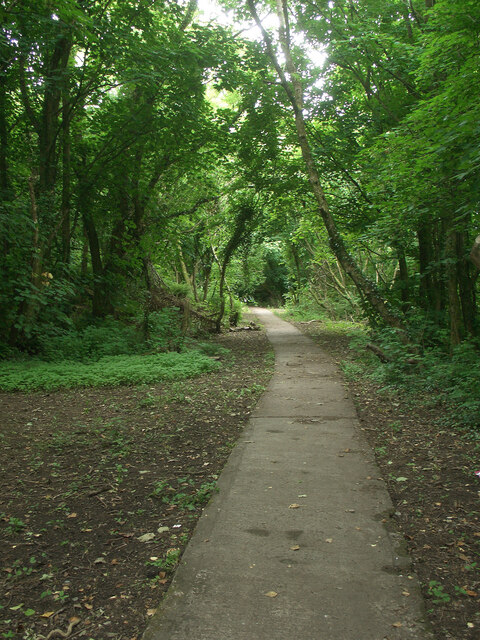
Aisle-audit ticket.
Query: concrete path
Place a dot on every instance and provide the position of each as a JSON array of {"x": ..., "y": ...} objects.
[{"x": 293, "y": 546}]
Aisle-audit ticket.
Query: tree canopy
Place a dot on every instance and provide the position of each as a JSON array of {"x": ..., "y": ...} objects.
[{"x": 150, "y": 160}]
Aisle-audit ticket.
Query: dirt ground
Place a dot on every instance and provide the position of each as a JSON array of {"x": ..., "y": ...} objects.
[
  {"x": 430, "y": 472},
  {"x": 101, "y": 488}
]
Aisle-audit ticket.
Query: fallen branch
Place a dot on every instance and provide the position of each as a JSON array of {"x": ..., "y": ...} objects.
[
  {"x": 378, "y": 352},
  {"x": 381, "y": 355},
  {"x": 249, "y": 327}
]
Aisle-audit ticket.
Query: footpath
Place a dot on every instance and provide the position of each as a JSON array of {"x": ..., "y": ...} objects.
[{"x": 296, "y": 545}]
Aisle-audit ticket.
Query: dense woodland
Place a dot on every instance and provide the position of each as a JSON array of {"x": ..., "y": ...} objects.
[{"x": 159, "y": 168}]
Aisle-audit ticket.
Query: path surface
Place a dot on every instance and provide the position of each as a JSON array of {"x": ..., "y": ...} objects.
[{"x": 299, "y": 514}]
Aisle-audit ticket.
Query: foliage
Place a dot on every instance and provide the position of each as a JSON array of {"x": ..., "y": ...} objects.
[
  {"x": 107, "y": 371},
  {"x": 106, "y": 337},
  {"x": 141, "y": 136},
  {"x": 431, "y": 376},
  {"x": 164, "y": 331}
]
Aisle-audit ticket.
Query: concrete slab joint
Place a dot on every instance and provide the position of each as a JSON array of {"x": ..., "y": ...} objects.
[{"x": 294, "y": 545}]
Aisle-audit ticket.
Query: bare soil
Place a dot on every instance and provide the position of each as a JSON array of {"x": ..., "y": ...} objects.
[
  {"x": 429, "y": 469},
  {"x": 101, "y": 489}
]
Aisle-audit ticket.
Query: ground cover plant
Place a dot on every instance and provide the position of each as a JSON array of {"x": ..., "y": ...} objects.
[
  {"x": 101, "y": 488},
  {"x": 33, "y": 375},
  {"x": 428, "y": 462}
]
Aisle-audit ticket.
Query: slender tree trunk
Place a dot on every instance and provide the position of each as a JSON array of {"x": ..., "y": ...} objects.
[
  {"x": 186, "y": 276},
  {"x": 206, "y": 281},
  {"x": 101, "y": 305},
  {"x": 66, "y": 178},
  {"x": 466, "y": 285},
  {"x": 294, "y": 90},
  {"x": 4, "y": 179},
  {"x": 84, "y": 260},
  {"x": 425, "y": 259},
  {"x": 403, "y": 280},
  {"x": 54, "y": 78},
  {"x": 454, "y": 312},
  {"x": 298, "y": 268}
]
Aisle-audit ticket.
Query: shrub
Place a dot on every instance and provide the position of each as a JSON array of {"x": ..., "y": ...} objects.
[
  {"x": 106, "y": 338},
  {"x": 164, "y": 330}
]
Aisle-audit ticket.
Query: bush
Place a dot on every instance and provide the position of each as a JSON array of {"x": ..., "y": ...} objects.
[
  {"x": 106, "y": 338},
  {"x": 452, "y": 379},
  {"x": 164, "y": 330}
]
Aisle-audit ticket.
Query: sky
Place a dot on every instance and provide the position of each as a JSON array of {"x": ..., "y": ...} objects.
[{"x": 210, "y": 10}]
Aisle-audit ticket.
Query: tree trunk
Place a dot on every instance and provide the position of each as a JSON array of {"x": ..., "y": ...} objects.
[
  {"x": 186, "y": 276},
  {"x": 294, "y": 91},
  {"x": 54, "y": 77},
  {"x": 66, "y": 179},
  {"x": 4, "y": 180},
  {"x": 101, "y": 305},
  {"x": 425, "y": 260},
  {"x": 454, "y": 312},
  {"x": 403, "y": 280},
  {"x": 466, "y": 285}
]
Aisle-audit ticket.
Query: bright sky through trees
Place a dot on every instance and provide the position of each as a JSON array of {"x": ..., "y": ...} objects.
[{"x": 210, "y": 11}]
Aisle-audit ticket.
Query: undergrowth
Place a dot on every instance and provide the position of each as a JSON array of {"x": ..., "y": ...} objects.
[
  {"x": 111, "y": 353},
  {"x": 34, "y": 375},
  {"x": 423, "y": 371},
  {"x": 430, "y": 375}
]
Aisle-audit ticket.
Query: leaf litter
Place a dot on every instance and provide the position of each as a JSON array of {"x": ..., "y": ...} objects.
[{"x": 98, "y": 471}]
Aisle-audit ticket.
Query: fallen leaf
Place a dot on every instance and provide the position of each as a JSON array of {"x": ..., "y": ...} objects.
[
  {"x": 294, "y": 506},
  {"x": 47, "y": 614},
  {"x": 147, "y": 537},
  {"x": 99, "y": 561},
  {"x": 151, "y": 612},
  {"x": 88, "y": 606},
  {"x": 295, "y": 547},
  {"x": 163, "y": 529},
  {"x": 405, "y": 593},
  {"x": 472, "y": 594},
  {"x": 271, "y": 594},
  {"x": 329, "y": 540},
  {"x": 72, "y": 515},
  {"x": 397, "y": 625}
]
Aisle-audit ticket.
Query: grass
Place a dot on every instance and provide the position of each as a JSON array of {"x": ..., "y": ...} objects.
[{"x": 34, "y": 375}]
